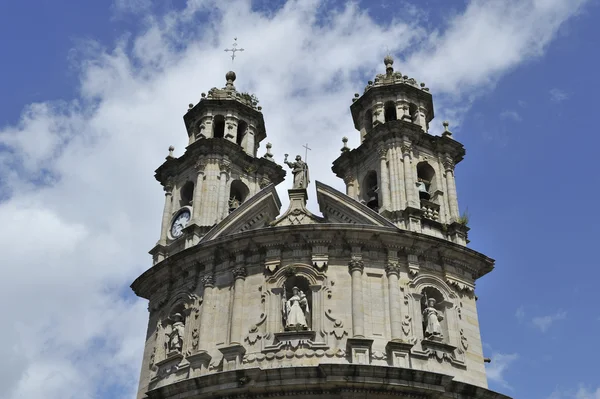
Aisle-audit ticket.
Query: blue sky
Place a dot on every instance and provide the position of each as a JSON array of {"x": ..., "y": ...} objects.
[{"x": 93, "y": 95}]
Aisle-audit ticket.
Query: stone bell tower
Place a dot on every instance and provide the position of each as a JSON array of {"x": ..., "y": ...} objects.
[
  {"x": 220, "y": 169},
  {"x": 400, "y": 170}
]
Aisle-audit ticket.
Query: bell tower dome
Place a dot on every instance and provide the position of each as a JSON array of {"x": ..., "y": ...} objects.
[
  {"x": 219, "y": 170},
  {"x": 400, "y": 170}
]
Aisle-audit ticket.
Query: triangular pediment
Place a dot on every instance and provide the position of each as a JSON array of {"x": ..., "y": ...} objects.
[
  {"x": 297, "y": 213},
  {"x": 258, "y": 211},
  {"x": 337, "y": 207}
]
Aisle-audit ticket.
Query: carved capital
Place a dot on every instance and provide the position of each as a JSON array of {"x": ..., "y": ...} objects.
[
  {"x": 168, "y": 187},
  {"x": 406, "y": 149},
  {"x": 208, "y": 280},
  {"x": 448, "y": 164},
  {"x": 200, "y": 165},
  {"x": 264, "y": 182},
  {"x": 348, "y": 179},
  {"x": 382, "y": 152},
  {"x": 239, "y": 272},
  {"x": 356, "y": 264},
  {"x": 392, "y": 268},
  {"x": 225, "y": 166}
]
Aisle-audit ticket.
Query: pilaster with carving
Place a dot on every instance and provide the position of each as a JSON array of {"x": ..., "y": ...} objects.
[
  {"x": 384, "y": 178},
  {"x": 356, "y": 267}
]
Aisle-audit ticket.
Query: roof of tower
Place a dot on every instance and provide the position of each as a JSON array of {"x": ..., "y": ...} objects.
[
  {"x": 387, "y": 82},
  {"x": 229, "y": 92}
]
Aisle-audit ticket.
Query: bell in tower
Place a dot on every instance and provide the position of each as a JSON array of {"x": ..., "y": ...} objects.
[{"x": 220, "y": 169}]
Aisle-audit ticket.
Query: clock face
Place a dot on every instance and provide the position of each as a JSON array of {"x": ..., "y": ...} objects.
[{"x": 181, "y": 220}]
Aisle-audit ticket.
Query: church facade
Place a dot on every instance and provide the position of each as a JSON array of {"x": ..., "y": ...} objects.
[{"x": 375, "y": 298}]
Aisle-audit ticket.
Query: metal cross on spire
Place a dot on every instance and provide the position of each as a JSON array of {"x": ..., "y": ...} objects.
[
  {"x": 234, "y": 49},
  {"x": 306, "y": 151}
]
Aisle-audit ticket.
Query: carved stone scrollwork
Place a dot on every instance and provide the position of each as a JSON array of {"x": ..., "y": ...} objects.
[
  {"x": 463, "y": 340},
  {"x": 225, "y": 166},
  {"x": 239, "y": 272},
  {"x": 406, "y": 325},
  {"x": 195, "y": 339}
]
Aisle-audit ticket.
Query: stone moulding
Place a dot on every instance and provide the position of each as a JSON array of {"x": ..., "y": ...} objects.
[{"x": 324, "y": 381}]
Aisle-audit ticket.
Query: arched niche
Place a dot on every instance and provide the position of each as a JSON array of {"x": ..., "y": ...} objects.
[
  {"x": 426, "y": 183},
  {"x": 284, "y": 279},
  {"x": 238, "y": 192},
  {"x": 186, "y": 194},
  {"x": 219, "y": 126},
  {"x": 370, "y": 190},
  {"x": 426, "y": 287},
  {"x": 389, "y": 111}
]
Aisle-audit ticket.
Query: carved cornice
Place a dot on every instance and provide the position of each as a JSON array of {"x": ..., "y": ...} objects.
[{"x": 239, "y": 272}]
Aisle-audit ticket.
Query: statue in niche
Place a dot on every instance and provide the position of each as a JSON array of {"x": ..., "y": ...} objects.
[
  {"x": 299, "y": 170},
  {"x": 296, "y": 310},
  {"x": 431, "y": 319},
  {"x": 175, "y": 336}
]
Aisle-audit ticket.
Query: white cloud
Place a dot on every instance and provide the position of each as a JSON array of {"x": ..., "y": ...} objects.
[
  {"x": 498, "y": 367},
  {"x": 512, "y": 115},
  {"x": 84, "y": 209},
  {"x": 558, "y": 95},
  {"x": 582, "y": 392},
  {"x": 545, "y": 322}
]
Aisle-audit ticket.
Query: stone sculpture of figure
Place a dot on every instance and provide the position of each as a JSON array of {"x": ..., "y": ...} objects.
[
  {"x": 234, "y": 203},
  {"x": 175, "y": 342},
  {"x": 296, "y": 309},
  {"x": 299, "y": 170},
  {"x": 432, "y": 318}
]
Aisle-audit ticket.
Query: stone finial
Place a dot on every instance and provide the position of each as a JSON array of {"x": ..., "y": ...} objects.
[
  {"x": 190, "y": 106},
  {"x": 171, "y": 149},
  {"x": 447, "y": 132},
  {"x": 388, "y": 61},
  {"x": 268, "y": 155},
  {"x": 345, "y": 147}
]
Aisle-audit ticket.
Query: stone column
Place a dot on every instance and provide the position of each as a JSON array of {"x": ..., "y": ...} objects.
[
  {"x": 223, "y": 199},
  {"x": 237, "y": 313},
  {"x": 167, "y": 212},
  {"x": 384, "y": 179},
  {"x": 350, "y": 186},
  {"x": 393, "y": 270},
  {"x": 409, "y": 181},
  {"x": 452, "y": 197},
  {"x": 402, "y": 199},
  {"x": 206, "y": 316},
  {"x": 356, "y": 266},
  {"x": 422, "y": 112},
  {"x": 249, "y": 146},
  {"x": 197, "y": 204}
]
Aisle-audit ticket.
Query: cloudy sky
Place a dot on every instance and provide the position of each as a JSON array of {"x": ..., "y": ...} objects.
[{"x": 93, "y": 94}]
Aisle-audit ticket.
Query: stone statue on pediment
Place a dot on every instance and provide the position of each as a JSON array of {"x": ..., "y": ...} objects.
[{"x": 299, "y": 170}]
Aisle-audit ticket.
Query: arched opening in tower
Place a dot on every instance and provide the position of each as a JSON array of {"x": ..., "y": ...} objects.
[
  {"x": 186, "y": 194},
  {"x": 241, "y": 132},
  {"x": 219, "y": 126},
  {"x": 238, "y": 192},
  {"x": 425, "y": 180},
  {"x": 389, "y": 111},
  {"x": 297, "y": 304},
  {"x": 370, "y": 190}
]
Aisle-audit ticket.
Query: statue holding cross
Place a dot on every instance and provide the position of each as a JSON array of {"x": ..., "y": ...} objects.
[{"x": 299, "y": 170}]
